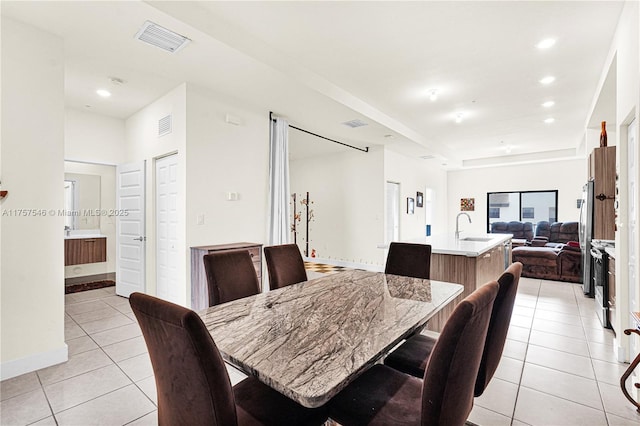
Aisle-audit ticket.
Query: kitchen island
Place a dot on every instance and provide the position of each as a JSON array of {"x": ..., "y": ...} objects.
[{"x": 471, "y": 260}]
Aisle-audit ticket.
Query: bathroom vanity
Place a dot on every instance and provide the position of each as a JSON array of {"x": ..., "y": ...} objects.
[{"x": 80, "y": 249}]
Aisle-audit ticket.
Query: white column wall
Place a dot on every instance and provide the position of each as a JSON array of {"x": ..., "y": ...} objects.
[{"x": 32, "y": 162}]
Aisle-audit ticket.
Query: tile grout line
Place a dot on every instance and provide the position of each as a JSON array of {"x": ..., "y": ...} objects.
[
  {"x": 131, "y": 381},
  {"x": 604, "y": 410},
  {"x": 524, "y": 361}
]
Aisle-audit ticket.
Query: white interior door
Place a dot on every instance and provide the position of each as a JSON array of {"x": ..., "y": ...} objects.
[
  {"x": 130, "y": 229},
  {"x": 393, "y": 212},
  {"x": 167, "y": 221}
]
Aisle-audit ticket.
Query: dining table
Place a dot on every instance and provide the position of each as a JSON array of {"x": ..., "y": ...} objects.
[{"x": 310, "y": 340}]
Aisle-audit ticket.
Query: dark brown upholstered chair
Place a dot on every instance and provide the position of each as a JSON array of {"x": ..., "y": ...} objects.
[
  {"x": 230, "y": 276},
  {"x": 191, "y": 379},
  {"x": 285, "y": 265},
  {"x": 384, "y": 396},
  {"x": 413, "y": 355},
  {"x": 409, "y": 260}
]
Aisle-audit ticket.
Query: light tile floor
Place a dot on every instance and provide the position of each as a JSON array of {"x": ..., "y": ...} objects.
[{"x": 558, "y": 368}]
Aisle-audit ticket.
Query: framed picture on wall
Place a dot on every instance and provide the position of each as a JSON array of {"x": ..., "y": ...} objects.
[
  {"x": 410, "y": 205},
  {"x": 419, "y": 199}
]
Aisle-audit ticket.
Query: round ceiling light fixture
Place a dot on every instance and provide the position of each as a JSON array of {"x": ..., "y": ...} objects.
[
  {"x": 549, "y": 120},
  {"x": 546, "y": 43},
  {"x": 548, "y": 79},
  {"x": 548, "y": 104},
  {"x": 103, "y": 93}
]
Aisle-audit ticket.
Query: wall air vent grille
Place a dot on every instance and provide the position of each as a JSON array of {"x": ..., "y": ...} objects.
[
  {"x": 161, "y": 37},
  {"x": 355, "y": 123},
  {"x": 164, "y": 125}
]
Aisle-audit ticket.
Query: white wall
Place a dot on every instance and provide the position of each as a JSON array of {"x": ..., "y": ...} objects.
[
  {"x": 222, "y": 158},
  {"x": 415, "y": 175},
  {"x": 93, "y": 137},
  {"x": 347, "y": 191},
  {"x": 143, "y": 143},
  {"x": 567, "y": 177},
  {"x": 625, "y": 48},
  {"x": 106, "y": 225},
  {"x": 31, "y": 248}
]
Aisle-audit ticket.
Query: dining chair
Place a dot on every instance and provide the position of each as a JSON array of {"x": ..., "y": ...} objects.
[
  {"x": 409, "y": 260},
  {"x": 385, "y": 396},
  {"x": 413, "y": 355},
  {"x": 192, "y": 382},
  {"x": 230, "y": 276},
  {"x": 284, "y": 265}
]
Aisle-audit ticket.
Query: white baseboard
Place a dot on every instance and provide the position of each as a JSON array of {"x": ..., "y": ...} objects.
[{"x": 17, "y": 367}]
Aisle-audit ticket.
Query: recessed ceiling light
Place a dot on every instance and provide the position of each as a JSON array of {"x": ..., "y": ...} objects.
[
  {"x": 548, "y": 104},
  {"x": 546, "y": 43},
  {"x": 549, "y": 120},
  {"x": 104, "y": 93},
  {"x": 433, "y": 94},
  {"x": 548, "y": 79},
  {"x": 459, "y": 117}
]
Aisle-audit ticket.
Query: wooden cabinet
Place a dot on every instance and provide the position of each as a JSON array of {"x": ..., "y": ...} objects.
[
  {"x": 602, "y": 169},
  {"x": 471, "y": 272},
  {"x": 199, "y": 289},
  {"x": 85, "y": 250},
  {"x": 612, "y": 290}
]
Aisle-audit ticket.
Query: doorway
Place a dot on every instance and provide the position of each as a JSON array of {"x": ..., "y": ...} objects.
[
  {"x": 392, "y": 231},
  {"x": 632, "y": 211},
  {"x": 130, "y": 228}
]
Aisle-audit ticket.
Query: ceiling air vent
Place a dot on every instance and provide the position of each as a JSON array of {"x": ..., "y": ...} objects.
[
  {"x": 427, "y": 157},
  {"x": 161, "y": 37},
  {"x": 164, "y": 125},
  {"x": 355, "y": 123}
]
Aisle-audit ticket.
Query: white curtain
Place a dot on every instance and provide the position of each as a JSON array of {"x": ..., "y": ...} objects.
[{"x": 279, "y": 222}]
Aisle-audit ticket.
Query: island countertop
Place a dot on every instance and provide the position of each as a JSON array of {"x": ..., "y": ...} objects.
[{"x": 467, "y": 245}]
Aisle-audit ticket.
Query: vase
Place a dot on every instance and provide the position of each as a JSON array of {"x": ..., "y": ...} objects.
[{"x": 603, "y": 134}]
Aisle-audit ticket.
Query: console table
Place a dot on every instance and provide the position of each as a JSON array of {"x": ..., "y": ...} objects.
[{"x": 199, "y": 290}]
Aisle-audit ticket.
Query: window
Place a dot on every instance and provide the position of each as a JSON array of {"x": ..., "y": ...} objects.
[{"x": 527, "y": 206}]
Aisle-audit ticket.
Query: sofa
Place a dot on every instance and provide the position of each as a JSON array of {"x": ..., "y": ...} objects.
[
  {"x": 520, "y": 230},
  {"x": 553, "y": 254}
]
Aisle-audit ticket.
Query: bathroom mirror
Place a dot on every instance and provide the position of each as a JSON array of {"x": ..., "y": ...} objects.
[{"x": 82, "y": 201}]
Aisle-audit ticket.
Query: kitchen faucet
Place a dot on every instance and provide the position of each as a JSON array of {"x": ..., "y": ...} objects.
[{"x": 458, "y": 223}]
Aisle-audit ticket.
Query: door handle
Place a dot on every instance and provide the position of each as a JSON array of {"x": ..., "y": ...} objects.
[{"x": 140, "y": 239}]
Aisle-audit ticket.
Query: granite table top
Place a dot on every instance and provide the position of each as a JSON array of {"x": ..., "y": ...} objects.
[{"x": 309, "y": 340}]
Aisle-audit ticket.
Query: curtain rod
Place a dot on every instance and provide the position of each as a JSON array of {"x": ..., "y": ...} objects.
[{"x": 365, "y": 149}]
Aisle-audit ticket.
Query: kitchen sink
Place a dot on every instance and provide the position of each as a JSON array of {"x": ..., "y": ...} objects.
[{"x": 477, "y": 239}]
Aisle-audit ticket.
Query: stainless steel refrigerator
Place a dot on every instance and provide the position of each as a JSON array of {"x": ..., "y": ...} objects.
[{"x": 586, "y": 233}]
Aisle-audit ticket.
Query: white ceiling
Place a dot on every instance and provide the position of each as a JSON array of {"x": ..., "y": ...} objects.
[{"x": 322, "y": 63}]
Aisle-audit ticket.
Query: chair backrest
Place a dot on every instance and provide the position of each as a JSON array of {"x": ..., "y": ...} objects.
[
  {"x": 409, "y": 260},
  {"x": 498, "y": 326},
  {"x": 230, "y": 276},
  {"x": 543, "y": 229},
  {"x": 447, "y": 390},
  {"x": 191, "y": 379},
  {"x": 284, "y": 265}
]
